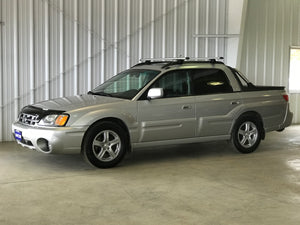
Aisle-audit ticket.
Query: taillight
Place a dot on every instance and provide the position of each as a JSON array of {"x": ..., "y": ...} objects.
[{"x": 286, "y": 97}]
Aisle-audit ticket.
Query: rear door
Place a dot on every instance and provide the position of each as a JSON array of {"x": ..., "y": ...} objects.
[
  {"x": 171, "y": 117},
  {"x": 215, "y": 102}
]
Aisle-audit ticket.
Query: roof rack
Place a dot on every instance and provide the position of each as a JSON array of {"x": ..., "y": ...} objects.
[
  {"x": 163, "y": 59},
  {"x": 179, "y": 60},
  {"x": 210, "y": 59},
  {"x": 144, "y": 60}
]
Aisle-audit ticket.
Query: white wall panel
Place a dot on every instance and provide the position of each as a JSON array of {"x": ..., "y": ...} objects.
[
  {"x": 53, "y": 48},
  {"x": 1, "y": 76},
  {"x": 271, "y": 28},
  {"x": 10, "y": 99}
]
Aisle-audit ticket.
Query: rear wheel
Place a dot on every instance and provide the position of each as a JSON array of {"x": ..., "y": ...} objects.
[
  {"x": 246, "y": 134},
  {"x": 104, "y": 144}
]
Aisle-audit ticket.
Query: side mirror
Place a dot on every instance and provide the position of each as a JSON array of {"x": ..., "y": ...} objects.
[{"x": 155, "y": 93}]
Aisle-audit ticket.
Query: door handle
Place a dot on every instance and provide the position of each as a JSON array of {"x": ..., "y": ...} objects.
[
  {"x": 186, "y": 107},
  {"x": 235, "y": 103}
]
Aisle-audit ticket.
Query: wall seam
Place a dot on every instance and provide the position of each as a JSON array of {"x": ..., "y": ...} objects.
[
  {"x": 47, "y": 52},
  {"x": 89, "y": 45},
  {"x": 102, "y": 69},
  {"x": 265, "y": 44},
  {"x": 217, "y": 29},
  {"x": 186, "y": 28},
  {"x": 152, "y": 29},
  {"x": 163, "y": 53},
  {"x": 206, "y": 28},
  {"x": 61, "y": 50},
  {"x": 197, "y": 29},
  {"x": 116, "y": 38},
  {"x": 32, "y": 56},
  {"x": 75, "y": 58},
  {"x": 175, "y": 28},
  {"x": 282, "y": 46},
  {"x": 16, "y": 60},
  {"x": 128, "y": 53},
  {"x": 274, "y": 44}
]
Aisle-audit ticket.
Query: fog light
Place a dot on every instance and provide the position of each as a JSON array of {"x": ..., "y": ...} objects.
[{"x": 43, "y": 145}]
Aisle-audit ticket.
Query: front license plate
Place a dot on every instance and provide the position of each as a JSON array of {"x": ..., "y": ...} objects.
[{"x": 18, "y": 135}]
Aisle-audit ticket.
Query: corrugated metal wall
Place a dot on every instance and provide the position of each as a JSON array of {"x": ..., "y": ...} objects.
[
  {"x": 54, "y": 48},
  {"x": 1, "y": 78},
  {"x": 272, "y": 26}
]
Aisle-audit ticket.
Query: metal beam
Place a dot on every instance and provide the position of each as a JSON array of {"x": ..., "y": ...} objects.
[{"x": 216, "y": 35}]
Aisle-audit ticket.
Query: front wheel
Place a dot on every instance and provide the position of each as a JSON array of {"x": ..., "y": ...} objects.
[
  {"x": 104, "y": 144},
  {"x": 246, "y": 134}
]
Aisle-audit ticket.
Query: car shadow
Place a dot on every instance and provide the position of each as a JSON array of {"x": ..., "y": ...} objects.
[
  {"x": 182, "y": 152},
  {"x": 216, "y": 150},
  {"x": 64, "y": 162}
]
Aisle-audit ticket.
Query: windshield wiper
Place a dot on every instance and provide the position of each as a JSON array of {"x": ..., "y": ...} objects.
[{"x": 99, "y": 93}]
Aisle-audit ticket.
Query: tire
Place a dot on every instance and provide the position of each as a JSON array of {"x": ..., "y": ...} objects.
[
  {"x": 247, "y": 134},
  {"x": 104, "y": 144}
]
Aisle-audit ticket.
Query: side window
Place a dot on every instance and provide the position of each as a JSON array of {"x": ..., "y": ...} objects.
[
  {"x": 175, "y": 84},
  {"x": 210, "y": 81},
  {"x": 244, "y": 83}
]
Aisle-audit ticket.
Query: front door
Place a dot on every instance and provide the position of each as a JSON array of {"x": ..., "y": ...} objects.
[{"x": 172, "y": 116}]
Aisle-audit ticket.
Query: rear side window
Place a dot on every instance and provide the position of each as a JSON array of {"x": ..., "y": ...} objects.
[
  {"x": 209, "y": 81},
  {"x": 244, "y": 83}
]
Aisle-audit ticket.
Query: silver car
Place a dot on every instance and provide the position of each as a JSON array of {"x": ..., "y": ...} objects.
[{"x": 152, "y": 104}]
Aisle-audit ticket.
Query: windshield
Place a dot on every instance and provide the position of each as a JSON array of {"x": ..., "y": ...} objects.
[{"x": 126, "y": 84}]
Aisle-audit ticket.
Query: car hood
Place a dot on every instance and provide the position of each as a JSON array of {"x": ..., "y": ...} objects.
[{"x": 76, "y": 102}]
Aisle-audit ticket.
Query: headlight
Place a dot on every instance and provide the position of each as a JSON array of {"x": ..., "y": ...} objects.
[{"x": 54, "y": 120}]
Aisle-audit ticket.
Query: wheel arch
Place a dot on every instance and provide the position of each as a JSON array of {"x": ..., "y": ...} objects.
[
  {"x": 251, "y": 114},
  {"x": 115, "y": 120}
]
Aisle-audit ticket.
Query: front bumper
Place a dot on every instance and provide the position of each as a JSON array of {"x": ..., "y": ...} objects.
[{"x": 66, "y": 140}]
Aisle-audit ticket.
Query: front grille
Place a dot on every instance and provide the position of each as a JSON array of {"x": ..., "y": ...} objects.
[
  {"x": 26, "y": 142},
  {"x": 28, "y": 119}
]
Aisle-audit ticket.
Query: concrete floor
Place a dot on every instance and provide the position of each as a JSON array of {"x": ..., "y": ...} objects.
[{"x": 206, "y": 183}]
